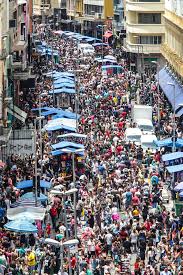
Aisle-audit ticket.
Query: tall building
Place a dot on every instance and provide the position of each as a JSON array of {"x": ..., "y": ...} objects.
[
  {"x": 145, "y": 30},
  {"x": 172, "y": 49}
]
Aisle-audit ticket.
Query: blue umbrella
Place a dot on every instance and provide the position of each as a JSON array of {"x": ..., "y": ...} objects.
[
  {"x": 21, "y": 226},
  {"x": 31, "y": 196}
]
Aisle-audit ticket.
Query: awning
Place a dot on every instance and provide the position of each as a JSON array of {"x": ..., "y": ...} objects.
[
  {"x": 166, "y": 77},
  {"x": 172, "y": 156},
  {"x": 175, "y": 168},
  {"x": 75, "y": 135},
  {"x": 108, "y": 34},
  {"x": 60, "y": 123},
  {"x": 17, "y": 113}
]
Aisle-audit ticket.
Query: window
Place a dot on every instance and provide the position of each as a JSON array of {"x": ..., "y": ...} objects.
[
  {"x": 92, "y": 9},
  {"x": 150, "y": 40},
  {"x": 149, "y": 18}
]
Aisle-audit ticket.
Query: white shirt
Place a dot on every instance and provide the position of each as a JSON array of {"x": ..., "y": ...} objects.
[{"x": 109, "y": 238}]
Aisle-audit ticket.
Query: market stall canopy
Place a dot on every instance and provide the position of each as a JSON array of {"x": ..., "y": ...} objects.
[
  {"x": 179, "y": 187},
  {"x": 110, "y": 57},
  {"x": 46, "y": 111},
  {"x": 31, "y": 196},
  {"x": 33, "y": 213},
  {"x": 25, "y": 203},
  {"x": 29, "y": 183},
  {"x": 63, "y": 90},
  {"x": 75, "y": 135},
  {"x": 172, "y": 156},
  {"x": 169, "y": 143},
  {"x": 175, "y": 168},
  {"x": 71, "y": 149},
  {"x": 61, "y": 123},
  {"x": 59, "y": 84},
  {"x": 64, "y": 144},
  {"x": 21, "y": 226}
]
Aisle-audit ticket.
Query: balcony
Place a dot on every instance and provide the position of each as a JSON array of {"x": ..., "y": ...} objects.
[
  {"x": 145, "y": 28},
  {"x": 19, "y": 64},
  {"x": 139, "y": 6},
  {"x": 142, "y": 48}
]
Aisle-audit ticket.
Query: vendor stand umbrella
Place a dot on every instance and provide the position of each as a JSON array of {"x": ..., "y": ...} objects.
[{"x": 21, "y": 226}]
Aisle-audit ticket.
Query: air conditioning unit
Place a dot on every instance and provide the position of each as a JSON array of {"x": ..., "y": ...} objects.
[{"x": 98, "y": 15}]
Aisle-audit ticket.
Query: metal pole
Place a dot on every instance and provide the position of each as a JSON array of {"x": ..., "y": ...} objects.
[
  {"x": 61, "y": 258},
  {"x": 69, "y": 258},
  {"x": 40, "y": 142},
  {"x": 66, "y": 225},
  {"x": 35, "y": 166},
  {"x": 102, "y": 44},
  {"x": 74, "y": 181}
]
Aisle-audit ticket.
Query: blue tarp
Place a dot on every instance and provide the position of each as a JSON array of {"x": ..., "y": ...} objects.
[
  {"x": 175, "y": 168},
  {"x": 60, "y": 127},
  {"x": 64, "y": 79},
  {"x": 169, "y": 143},
  {"x": 172, "y": 156},
  {"x": 179, "y": 187},
  {"x": 64, "y": 144},
  {"x": 166, "y": 77},
  {"x": 45, "y": 111},
  {"x": 75, "y": 135},
  {"x": 29, "y": 183},
  {"x": 63, "y": 90},
  {"x": 64, "y": 84},
  {"x": 59, "y": 152}
]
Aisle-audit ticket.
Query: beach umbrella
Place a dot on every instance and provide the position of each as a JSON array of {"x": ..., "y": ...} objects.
[{"x": 21, "y": 226}]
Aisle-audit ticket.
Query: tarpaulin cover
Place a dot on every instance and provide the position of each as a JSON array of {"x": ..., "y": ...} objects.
[
  {"x": 63, "y": 90},
  {"x": 34, "y": 213},
  {"x": 60, "y": 152},
  {"x": 172, "y": 156},
  {"x": 77, "y": 135},
  {"x": 29, "y": 183},
  {"x": 169, "y": 143},
  {"x": 165, "y": 77},
  {"x": 64, "y": 144},
  {"x": 60, "y": 123},
  {"x": 175, "y": 168}
]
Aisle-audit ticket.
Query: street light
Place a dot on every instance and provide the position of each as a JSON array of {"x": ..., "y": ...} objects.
[
  {"x": 65, "y": 150},
  {"x": 61, "y": 244},
  {"x": 35, "y": 153}
]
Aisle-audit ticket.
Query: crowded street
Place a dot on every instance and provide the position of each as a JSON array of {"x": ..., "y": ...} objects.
[{"x": 97, "y": 196}]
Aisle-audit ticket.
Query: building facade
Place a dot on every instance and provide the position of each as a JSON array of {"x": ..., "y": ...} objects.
[
  {"x": 172, "y": 49},
  {"x": 145, "y": 30}
]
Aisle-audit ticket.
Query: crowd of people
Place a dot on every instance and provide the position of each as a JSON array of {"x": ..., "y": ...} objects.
[{"x": 122, "y": 223}]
